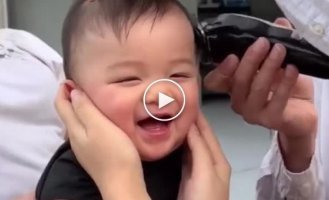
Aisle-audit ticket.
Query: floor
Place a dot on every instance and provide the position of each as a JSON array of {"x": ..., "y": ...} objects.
[{"x": 244, "y": 144}]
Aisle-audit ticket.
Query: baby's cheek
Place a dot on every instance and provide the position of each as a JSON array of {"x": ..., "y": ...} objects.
[
  {"x": 191, "y": 110},
  {"x": 190, "y": 114},
  {"x": 192, "y": 102},
  {"x": 118, "y": 111}
]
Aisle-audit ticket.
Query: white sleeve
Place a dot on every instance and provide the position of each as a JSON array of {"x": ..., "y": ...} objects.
[
  {"x": 278, "y": 183},
  {"x": 30, "y": 129},
  {"x": 311, "y": 20},
  {"x": 36, "y": 48}
]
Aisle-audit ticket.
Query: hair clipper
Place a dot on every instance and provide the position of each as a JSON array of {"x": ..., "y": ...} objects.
[{"x": 233, "y": 33}]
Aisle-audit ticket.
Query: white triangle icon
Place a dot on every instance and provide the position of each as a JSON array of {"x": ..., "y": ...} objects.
[{"x": 164, "y": 100}]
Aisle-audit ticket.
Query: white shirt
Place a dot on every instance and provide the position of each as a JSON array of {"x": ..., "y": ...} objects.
[
  {"x": 311, "y": 20},
  {"x": 30, "y": 130}
]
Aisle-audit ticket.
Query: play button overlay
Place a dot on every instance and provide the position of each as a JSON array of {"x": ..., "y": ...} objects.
[{"x": 165, "y": 99}]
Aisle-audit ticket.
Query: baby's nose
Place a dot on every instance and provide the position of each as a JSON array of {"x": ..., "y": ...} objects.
[
  {"x": 164, "y": 100},
  {"x": 164, "y": 97},
  {"x": 159, "y": 89}
]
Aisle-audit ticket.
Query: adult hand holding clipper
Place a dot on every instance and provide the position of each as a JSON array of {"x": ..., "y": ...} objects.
[
  {"x": 261, "y": 89},
  {"x": 233, "y": 33}
]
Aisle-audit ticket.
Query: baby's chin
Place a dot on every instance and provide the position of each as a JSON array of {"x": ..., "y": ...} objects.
[{"x": 157, "y": 152}]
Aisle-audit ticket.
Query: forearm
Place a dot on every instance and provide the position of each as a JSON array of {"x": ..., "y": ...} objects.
[
  {"x": 296, "y": 139},
  {"x": 297, "y": 152}
]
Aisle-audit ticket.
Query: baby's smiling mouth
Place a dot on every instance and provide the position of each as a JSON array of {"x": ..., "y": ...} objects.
[{"x": 155, "y": 127}]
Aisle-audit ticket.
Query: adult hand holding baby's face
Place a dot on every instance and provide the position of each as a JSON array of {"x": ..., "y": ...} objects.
[
  {"x": 206, "y": 172},
  {"x": 104, "y": 150}
]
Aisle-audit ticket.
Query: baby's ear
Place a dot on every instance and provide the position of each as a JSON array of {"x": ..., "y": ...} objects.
[{"x": 70, "y": 86}]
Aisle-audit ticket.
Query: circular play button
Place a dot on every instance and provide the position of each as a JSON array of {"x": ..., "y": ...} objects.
[{"x": 168, "y": 95}]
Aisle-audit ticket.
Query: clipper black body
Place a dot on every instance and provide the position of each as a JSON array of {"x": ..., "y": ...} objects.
[{"x": 233, "y": 33}]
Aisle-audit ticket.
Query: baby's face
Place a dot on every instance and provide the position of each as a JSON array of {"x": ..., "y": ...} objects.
[{"x": 116, "y": 74}]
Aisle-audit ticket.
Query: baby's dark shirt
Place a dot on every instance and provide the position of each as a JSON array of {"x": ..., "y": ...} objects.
[{"x": 64, "y": 178}]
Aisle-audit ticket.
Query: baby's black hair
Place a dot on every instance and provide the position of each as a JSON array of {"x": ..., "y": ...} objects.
[{"x": 118, "y": 14}]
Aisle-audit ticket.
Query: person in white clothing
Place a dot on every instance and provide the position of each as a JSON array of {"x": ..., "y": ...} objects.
[
  {"x": 282, "y": 100},
  {"x": 30, "y": 130},
  {"x": 296, "y": 163}
]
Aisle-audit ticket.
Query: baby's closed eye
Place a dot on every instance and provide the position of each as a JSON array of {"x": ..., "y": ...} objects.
[
  {"x": 181, "y": 76},
  {"x": 127, "y": 81}
]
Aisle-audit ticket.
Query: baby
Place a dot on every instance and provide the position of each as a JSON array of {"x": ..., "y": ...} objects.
[{"x": 113, "y": 49}]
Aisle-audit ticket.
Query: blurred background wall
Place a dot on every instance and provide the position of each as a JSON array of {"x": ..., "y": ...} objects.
[
  {"x": 44, "y": 18},
  {"x": 3, "y": 14},
  {"x": 266, "y": 9}
]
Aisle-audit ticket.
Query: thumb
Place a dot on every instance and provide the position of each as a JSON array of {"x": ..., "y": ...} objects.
[
  {"x": 219, "y": 80},
  {"x": 221, "y": 163},
  {"x": 201, "y": 158},
  {"x": 283, "y": 22},
  {"x": 187, "y": 164},
  {"x": 87, "y": 113},
  {"x": 66, "y": 112}
]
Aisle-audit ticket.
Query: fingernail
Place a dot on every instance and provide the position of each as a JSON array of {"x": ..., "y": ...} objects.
[
  {"x": 227, "y": 67},
  {"x": 260, "y": 43},
  {"x": 194, "y": 130},
  {"x": 290, "y": 71},
  {"x": 75, "y": 95},
  {"x": 193, "y": 127},
  {"x": 228, "y": 59},
  {"x": 276, "y": 51}
]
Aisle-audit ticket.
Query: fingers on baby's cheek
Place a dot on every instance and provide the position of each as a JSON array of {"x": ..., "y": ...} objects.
[
  {"x": 76, "y": 98},
  {"x": 193, "y": 130},
  {"x": 61, "y": 103}
]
